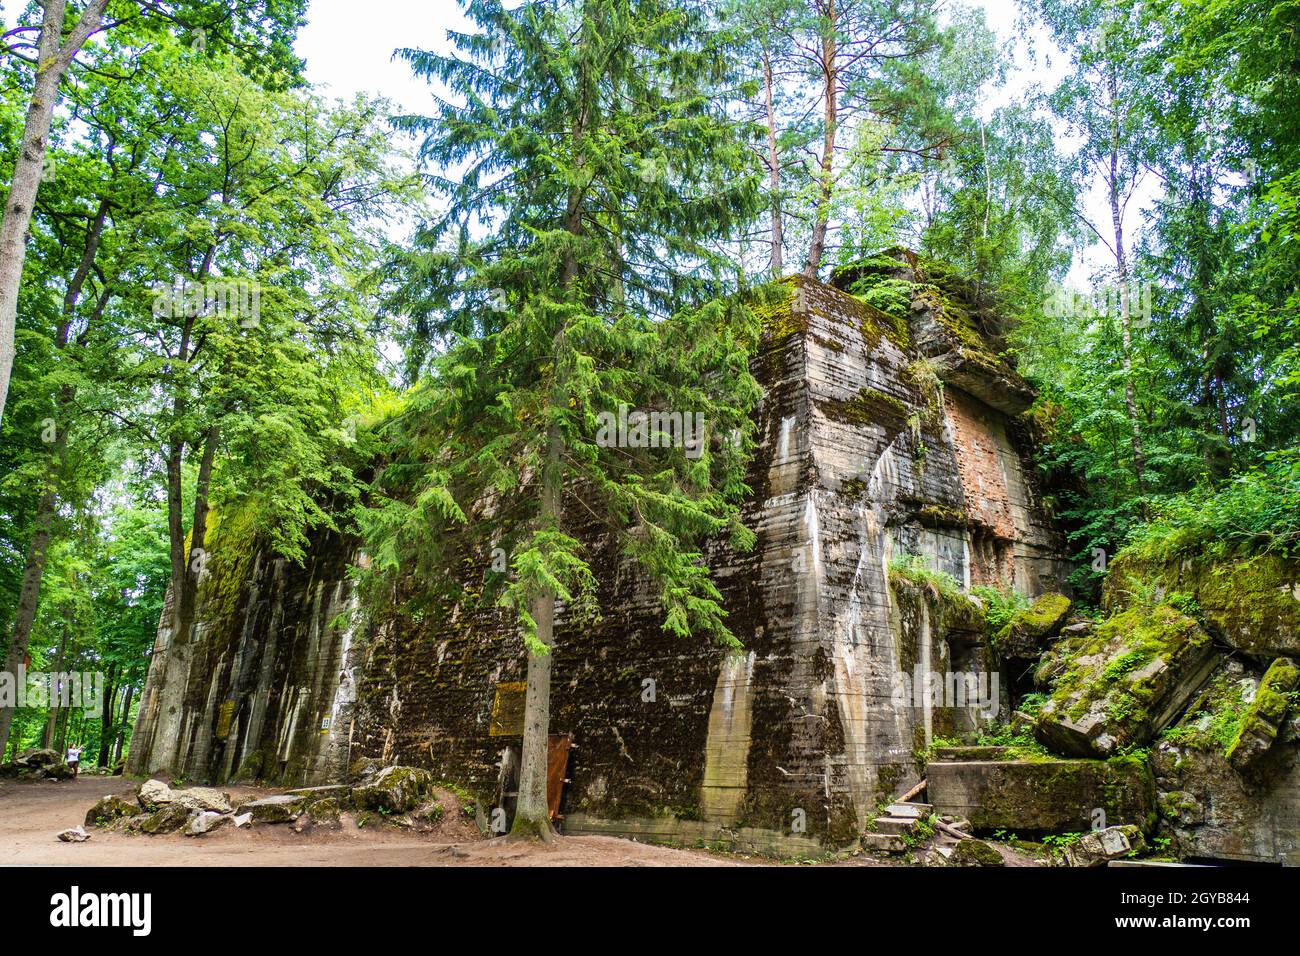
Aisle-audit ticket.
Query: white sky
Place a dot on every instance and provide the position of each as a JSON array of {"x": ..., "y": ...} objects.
[{"x": 347, "y": 54}]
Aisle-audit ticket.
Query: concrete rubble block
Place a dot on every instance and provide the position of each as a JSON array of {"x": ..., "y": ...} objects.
[
  {"x": 109, "y": 810},
  {"x": 974, "y": 853},
  {"x": 394, "y": 790},
  {"x": 1266, "y": 716},
  {"x": 74, "y": 835},
  {"x": 325, "y": 812},
  {"x": 206, "y": 822},
  {"x": 154, "y": 794},
  {"x": 1043, "y": 796},
  {"x": 1252, "y": 603},
  {"x": 1096, "y": 847},
  {"x": 166, "y": 819},
  {"x": 39, "y": 758},
  {"x": 883, "y": 843},
  {"x": 281, "y": 808},
  {"x": 1031, "y": 628},
  {"x": 1124, "y": 684}
]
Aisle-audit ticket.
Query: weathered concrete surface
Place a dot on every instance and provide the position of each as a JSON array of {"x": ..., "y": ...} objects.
[
  {"x": 1125, "y": 682},
  {"x": 800, "y": 735},
  {"x": 802, "y": 725},
  {"x": 1210, "y": 808},
  {"x": 1044, "y": 796},
  {"x": 1251, "y": 603},
  {"x": 267, "y": 673}
]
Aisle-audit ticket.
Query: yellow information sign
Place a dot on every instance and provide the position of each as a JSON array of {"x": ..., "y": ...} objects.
[{"x": 508, "y": 710}]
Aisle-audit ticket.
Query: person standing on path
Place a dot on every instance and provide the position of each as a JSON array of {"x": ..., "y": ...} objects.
[{"x": 74, "y": 759}]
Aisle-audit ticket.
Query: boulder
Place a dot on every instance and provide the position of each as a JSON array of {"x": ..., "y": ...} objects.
[
  {"x": 39, "y": 758},
  {"x": 325, "y": 812},
  {"x": 974, "y": 853},
  {"x": 1097, "y": 846},
  {"x": 74, "y": 835},
  {"x": 1252, "y": 603},
  {"x": 1029, "y": 629},
  {"x": 242, "y": 819},
  {"x": 165, "y": 819},
  {"x": 393, "y": 790},
  {"x": 281, "y": 808},
  {"x": 109, "y": 810},
  {"x": 1266, "y": 716},
  {"x": 206, "y": 822},
  {"x": 154, "y": 794},
  {"x": 1043, "y": 796},
  {"x": 1124, "y": 684}
]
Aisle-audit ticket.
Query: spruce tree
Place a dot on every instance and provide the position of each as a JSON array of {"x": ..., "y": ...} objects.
[{"x": 594, "y": 163}]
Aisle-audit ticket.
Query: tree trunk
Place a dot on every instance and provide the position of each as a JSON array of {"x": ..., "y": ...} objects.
[
  {"x": 53, "y": 55},
  {"x": 774, "y": 170},
  {"x": 43, "y": 523},
  {"x": 830, "y": 92},
  {"x": 28, "y": 594},
  {"x": 126, "y": 722},
  {"x": 106, "y": 718},
  {"x": 532, "y": 812},
  {"x": 1121, "y": 275},
  {"x": 47, "y": 738}
]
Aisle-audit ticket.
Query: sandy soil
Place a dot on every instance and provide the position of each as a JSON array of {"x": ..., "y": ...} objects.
[{"x": 32, "y": 813}]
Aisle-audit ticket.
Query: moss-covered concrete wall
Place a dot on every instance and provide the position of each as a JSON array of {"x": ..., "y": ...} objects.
[{"x": 864, "y": 455}]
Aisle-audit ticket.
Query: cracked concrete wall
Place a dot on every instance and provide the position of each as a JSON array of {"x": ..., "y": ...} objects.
[
  {"x": 674, "y": 737},
  {"x": 267, "y": 685}
]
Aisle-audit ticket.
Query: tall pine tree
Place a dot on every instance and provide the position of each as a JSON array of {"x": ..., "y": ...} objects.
[{"x": 597, "y": 165}]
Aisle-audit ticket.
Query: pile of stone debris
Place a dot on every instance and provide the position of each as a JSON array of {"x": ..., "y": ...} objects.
[
  {"x": 405, "y": 796},
  {"x": 37, "y": 765}
]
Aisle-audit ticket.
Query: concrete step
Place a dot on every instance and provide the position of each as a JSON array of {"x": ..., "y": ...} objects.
[
  {"x": 883, "y": 843},
  {"x": 913, "y": 811},
  {"x": 897, "y": 825}
]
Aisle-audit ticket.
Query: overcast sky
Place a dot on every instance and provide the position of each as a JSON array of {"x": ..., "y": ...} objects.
[{"x": 349, "y": 53}]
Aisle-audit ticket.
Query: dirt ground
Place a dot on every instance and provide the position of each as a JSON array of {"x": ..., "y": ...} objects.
[{"x": 32, "y": 813}]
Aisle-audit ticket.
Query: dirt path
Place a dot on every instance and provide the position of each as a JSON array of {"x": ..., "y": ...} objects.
[{"x": 31, "y": 813}]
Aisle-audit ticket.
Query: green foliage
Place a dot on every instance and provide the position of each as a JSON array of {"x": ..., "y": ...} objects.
[
  {"x": 1001, "y": 604},
  {"x": 916, "y": 569}
]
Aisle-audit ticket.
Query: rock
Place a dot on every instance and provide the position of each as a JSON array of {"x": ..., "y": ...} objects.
[
  {"x": 74, "y": 835},
  {"x": 393, "y": 790},
  {"x": 39, "y": 758},
  {"x": 1031, "y": 628},
  {"x": 883, "y": 843},
  {"x": 1252, "y": 603},
  {"x": 1266, "y": 716},
  {"x": 243, "y": 819},
  {"x": 206, "y": 822},
  {"x": 1125, "y": 683},
  {"x": 165, "y": 819},
  {"x": 1043, "y": 796},
  {"x": 58, "y": 771},
  {"x": 1097, "y": 846},
  {"x": 325, "y": 813},
  {"x": 1077, "y": 628},
  {"x": 974, "y": 853},
  {"x": 425, "y": 817},
  {"x": 278, "y": 809},
  {"x": 364, "y": 768},
  {"x": 154, "y": 794},
  {"x": 338, "y": 791},
  {"x": 1182, "y": 807},
  {"x": 109, "y": 810}
]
